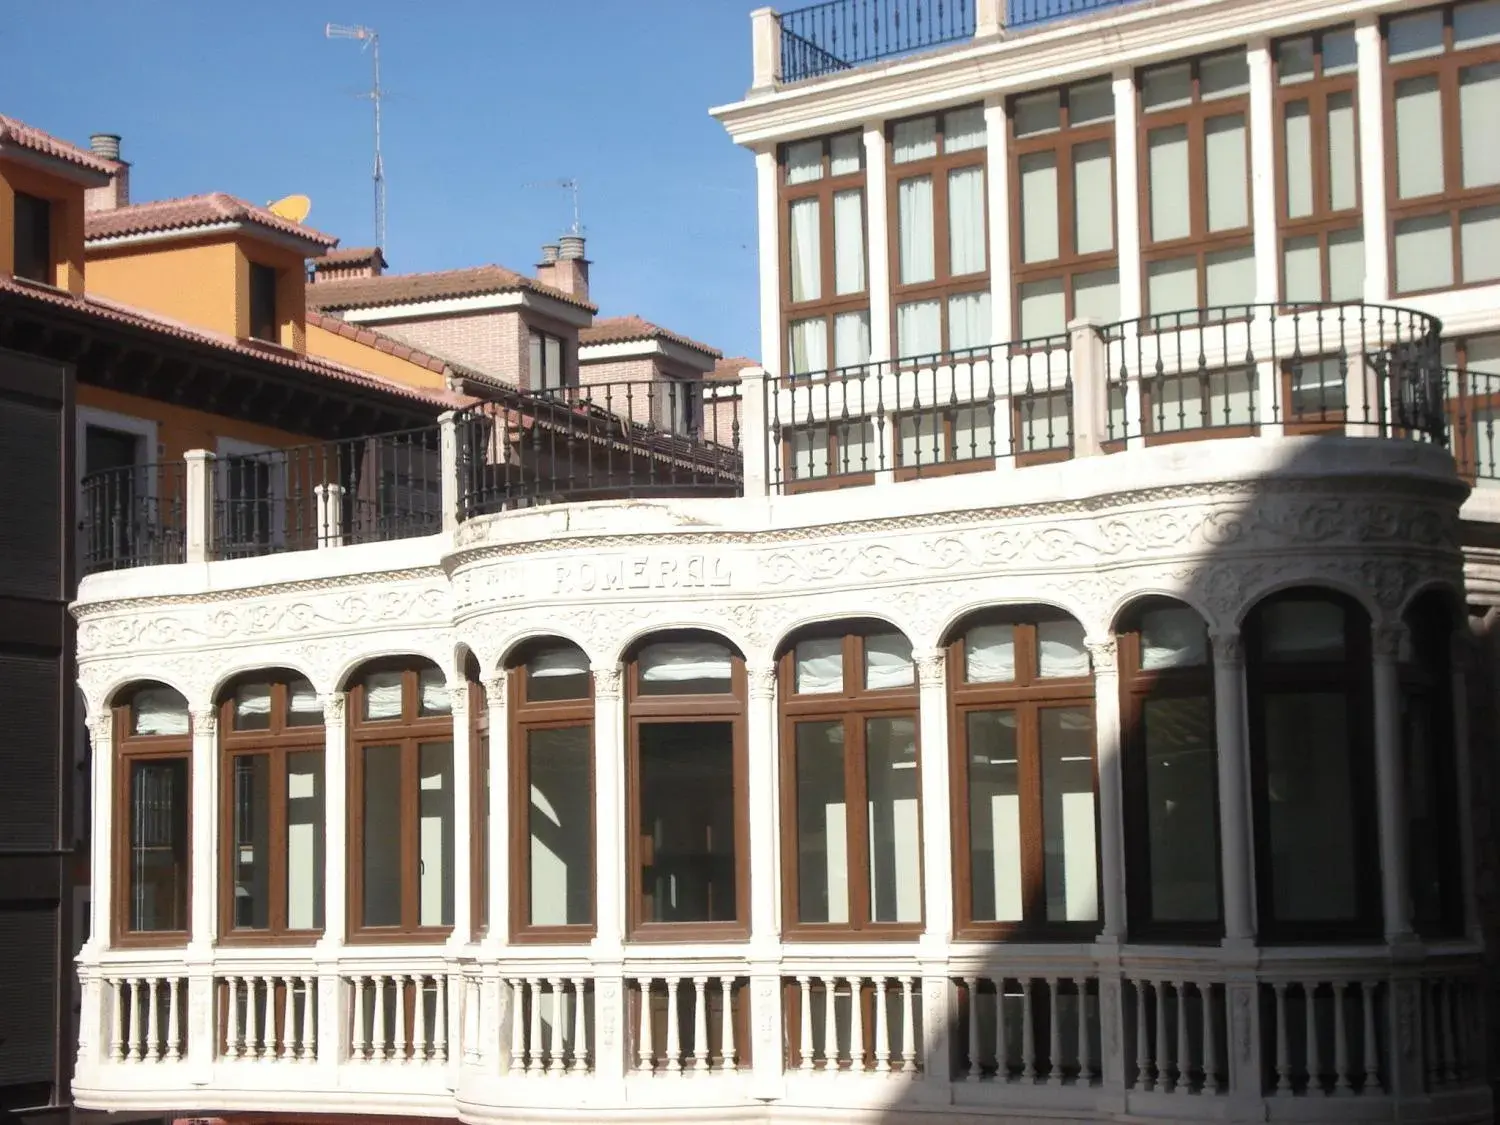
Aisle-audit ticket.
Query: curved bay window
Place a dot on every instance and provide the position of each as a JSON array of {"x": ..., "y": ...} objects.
[
  {"x": 401, "y": 812},
  {"x": 552, "y": 793},
  {"x": 688, "y": 849},
  {"x": 1435, "y": 862},
  {"x": 1025, "y": 807},
  {"x": 153, "y": 749},
  {"x": 1307, "y": 665},
  {"x": 1170, "y": 774},
  {"x": 271, "y": 811},
  {"x": 852, "y": 852}
]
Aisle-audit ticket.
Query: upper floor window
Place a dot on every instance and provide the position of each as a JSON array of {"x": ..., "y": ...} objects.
[
  {"x": 546, "y": 356},
  {"x": 33, "y": 238},
  {"x": 1195, "y": 191},
  {"x": 153, "y": 748},
  {"x": 1444, "y": 73},
  {"x": 1317, "y": 191},
  {"x": 263, "y": 323},
  {"x": 939, "y": 242},
  {"x": 1063, "y": 220},
  {"x": 826, "y": 291}
]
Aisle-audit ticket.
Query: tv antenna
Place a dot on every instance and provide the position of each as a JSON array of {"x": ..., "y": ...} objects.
[
  {"x": 368, "y": 37},
  {"x": 567, "y": 185}
]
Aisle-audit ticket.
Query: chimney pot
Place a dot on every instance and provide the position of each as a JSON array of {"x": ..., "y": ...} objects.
[
  {"x": 106, "y": 145},
  {"x": 549, "y": 253},
  {"x": 570, "y": 247}
]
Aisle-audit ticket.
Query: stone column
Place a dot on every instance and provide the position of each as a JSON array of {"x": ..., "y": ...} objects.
[
  {"x": 937, "y": 811},
  {"x": 335, "y": 822},
  {"x": 1263, "y": 130},
  {"x": 463, "y": 806},
  {"x": 765, "y": 883},
  {"x": 204, "y": 878},
  {"x": 1105, "y": 654},
  {"x": 497, "y": 859},
  {"x": 1236, "y": 857},
  {"x": 1390, "y": 801},
  {"x": 609, "y": 812},
  {"x": 101, "y": 842},
  {"x": 1369, "y": 47},
  {"x": 878, "y": 271}
]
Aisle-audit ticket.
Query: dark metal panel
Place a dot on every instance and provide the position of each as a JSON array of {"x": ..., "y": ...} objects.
[
  {"x": 28, "y": 994},
  {"x": 30, "y": 798}
]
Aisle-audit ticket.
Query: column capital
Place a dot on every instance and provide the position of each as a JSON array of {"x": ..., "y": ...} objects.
[
  {"x": 760, "y": 680},
  {"x": 932, "y": 667},
  {"x": 458, "y": 698},
  {"x": 1105, "y": 653},
  {"x": 1386, "y": 640},
  {"x": 102, "y": 728},
  {"x": 496, "y": 693},
  {"x": 205, "y": 719},
  {"x": 607, "y": 680},
  {"x": 1228, "y": 646},
  {"x": 333, "y": 707}
]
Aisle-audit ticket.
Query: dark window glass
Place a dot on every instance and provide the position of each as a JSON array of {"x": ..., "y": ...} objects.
[
  {"x": 158, "y": 875},
  {"x": 263, "y": 324},
  {"x": 687, "y": 822},
  {"x": 33, "y": 246}
]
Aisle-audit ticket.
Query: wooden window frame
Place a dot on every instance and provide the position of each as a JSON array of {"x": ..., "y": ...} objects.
[
  {"x": 128, "y": 749},
  {"x": 952, "y": 458},
  {"x": 853, "y": 706},
  {"x": 526, "y": 717},
  {"x": 831, "y": 480},
  {"x": 1454, "y": 199},
  {"x": 1353, "y": 676},
  {"x": 729, "y": 707},
  {"x": 1316, "y": 90},
  {"x": 1139, "y": 686},
  {"x": 1027, "y": 695},
  {"x": 1061, "y": 142},
  {"x": 407, "y": 734},
  {"x": 828, "y": 305},
  {"x": 1200, "y": 242},
  {"x": 275, "y": 743},
  {"x": 943, "y": 285}
]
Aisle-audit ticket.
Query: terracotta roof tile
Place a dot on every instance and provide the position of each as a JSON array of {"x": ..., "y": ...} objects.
[
  {"x": 193, "y": 211},
  {"x": 406, "y": 288},
  {"x": 377, "y": 340},
  {"x": 622, "y": 329},
  {"x": 22, "y": 135},
  {"x": 349, "y": 255},
  {"x": 729, "y": 368}
]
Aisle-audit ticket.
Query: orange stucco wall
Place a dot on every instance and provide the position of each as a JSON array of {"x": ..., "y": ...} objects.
[
  {"x": 179, "y": 429},
  {"x": 341, "y": 349},
  {"x": 67, "y": 220}
]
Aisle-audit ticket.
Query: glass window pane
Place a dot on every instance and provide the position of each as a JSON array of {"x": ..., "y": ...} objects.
[
  {"x": 1346, "y": 265},
  {"x": 159, "y": 711},
  {"x": 822, "y": 824},
  {"x": 1039, "y": 230},
  {"x": 382, "y": 695},
  {"x": 435, "y": 834},
  {"x": 1046, "y": 422},
  {"x": 1479, "y": 243},
  {"x": 1181, "y": 790},
  {"x": 807, "y": 343},
  {"x": 560, "y": 825},
  {"x": 305, "y": 840},
  {"x": 805, "y": 243},
  {"x": 914, "y": 140},
  {"x": 1060, "y": 649},
  {"x": 303, "y": 708},
  {"x": 1097, "y": 295},
  {"x": 381, "y": 862},
  {"x": 966, "y": 245},
  {"x": 1044, "y": 308},
  {"x": 1412, "y": 37},
  {"x": 990, "y": 654},
  {"x": 685, "y": 668},
  {"x": 888, "y": 662},
  {"x": 1167, "y": 152},
  {"x": 915, "y": 230},
  {"x": 1303, "y": 270},
  {"x": 1227, "y": 158},
  {"x": 1317, "y": 387},
  {"x": 557, "y": 672},
  {"x": 1476, "y": 24},
  {"x": 1166, "y": 86},
  {"x": 921, "y": 438},
  {"x": 849, "y": 242},
  {"x": 1479, "y": 109},
  {"x": 1221, "y": 76},
  {"x": 252, "y": 707},
  {"x": 1173, "y": 637},
  {"x": 1343, "y": 153},
  {"x": 895, "y": 836},
  {"x": 969, "y": 321},
  {"x": 963, "y": 129},
  {"x": 157, "y": 881},
  {"x": 1037, "y": 113},
  {"x": 1090, "y": 102},
  {"x": 251, "y": 840},
  {"x": 804, "y": 162},
  {"x": 687, "y": 822},
  {"x": 846, "y": 154},
  {"x": 1294, "y": 60},
  {"x": 1230, "y": 277},
  {"x": 1419, "y": 137},
  {"x": 851, "y": 339},
  {"x": 818, "y": 666},
  {"x": 1339, "y": 52},
  {"x": 1309, "y": 789},
  {"x": 857, "y": 452},
  {"x": 1069, "y": 839},
  {"x": 919, "y": 329},
  {"x": 973, "y": 432},
  {"x": 994, "y": 817},
  {"x": 808, "y": 452},
  {"x": 1302, "y": 630},
  {"x": 1172, "y": 286},
  {"x": 1424, "y": 253},
  {"x": 1297, "y": 129},
  {"x": 1093, "y": 198},
  {"x": 432, "y": 693}
]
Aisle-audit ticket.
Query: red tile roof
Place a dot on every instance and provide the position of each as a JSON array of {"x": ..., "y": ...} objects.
[
  {"x": 21, "y": 135},
  {"x": 622, "y": 329},
  {"x": 407, "y": 288},
  {"x": 349, "y": 256},
  {"x": 379, "y": 341},
  {"x": 194, "y": 211},
  {"x": 729, "y": 369}
]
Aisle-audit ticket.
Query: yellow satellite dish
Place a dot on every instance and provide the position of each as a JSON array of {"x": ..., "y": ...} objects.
[{"x": 293, "y": 208}]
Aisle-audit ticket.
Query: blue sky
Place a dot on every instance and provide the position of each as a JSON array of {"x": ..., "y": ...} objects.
[{"x": 484, "y": 97}]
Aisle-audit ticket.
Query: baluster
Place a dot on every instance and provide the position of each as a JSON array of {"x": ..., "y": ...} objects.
[
  {"x": 1372, "y": 1060},
  {"x": 1310, "y": 1021},
  {"x": 1143, "y": 1075},
  {"x": 134, "y": 1054},
  {"x": 728, "y": 1056},
  {"x": 580, "y": 1029},
  {"x": 646, "y": 1054},
  {"x": 972, "y": 1066},
  {"x": 1054, "y": 1035},
  {"x": 1210, "y": 1040},
  {"x": 1002, "y": 1034},
  {"x": 1167, "y": 1072},
  {"x": 882, "y": 1027},
  {"x": 517, "y": 1026},
  {"x": 266, "y": 1042},
  {"x": 360, "y": 1044},
  {"x": 830, "y": 1023},
  {"x": 1283, "y": 1052},
  {"x": 151, "y": 1049},
  {"x": 377, "y": 1020},
  {"x": 1341, "y": 1083},
  {"x": 1450, "y": 1049},
  {"x": 1085, "y": 1054},
  {"x": 805, "y": 1040},
  {"x": 1028, "y": 1033},
  {"x": 1184, "y": 1050},
  {"x": 419, "y": 1041},
  {"x": 700, "y": 1023},
  {"x": 674, "y": 1031},
  {"x": 856, "y": 1024},
  {"x": 534, "y": 1031},
  {"x": 119, "y": 1018},
  {"x": 908, "y": 1028},
  {"x": 398, "y": 1013},
  {"x": 440, "y": 1017},
  {"x": 174, "y": 1031},
  {"x": 557, "y": 1041},
  {"x": 309, "y": 1045},
  {"x": 286, "y": 1045},
  {"x": 231, "y": 1018}
]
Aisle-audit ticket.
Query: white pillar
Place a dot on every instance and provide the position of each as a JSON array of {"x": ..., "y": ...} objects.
[
  {"x": 463, "y": 807},
  {"x": 203, "y": 828},
  {"x": 989, "y": 18},
  {"x": 760, "y": 729},
  {"x": 198, "y": 501},
  {"x": 448, "y": 466},
  {"x": 1090, "y": 387},
  {"x": 1370, "y": 55},
  {"x": 755, "y": 432},
  {"x": 765, "y": 49},
  {"x": 101, "y": 812},
  {"x": 1234, "y": 790},
  {"x": 335, "y": 825},
  {"x": 1105, "y": 654},
  {"x": 609, "y": 813},
  {"x": 1127, "y": 194},
  {"x": 768, "y": 216},
  {"x": 937, "y": 813},
  {"x": 997, "y": 187},
  {"x": 1395, "y": 893},
  {"x": 1263, "y": 132},
  {"x": 877, "y": 233},
  {"x": 497, "y": 862}
]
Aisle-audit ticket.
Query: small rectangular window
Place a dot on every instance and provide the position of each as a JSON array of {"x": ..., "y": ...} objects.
[
  {"x": 263, "y": 320},
  {"x": 33, "y": 238}
]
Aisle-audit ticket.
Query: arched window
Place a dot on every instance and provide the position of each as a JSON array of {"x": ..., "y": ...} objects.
[
  {"x": 401, "y": 801},
  {"x": 688, "y": 847},
  {"x": 852, "y": 844},
  {"x": 153, "y": 751},
  {"x": 1026, "y": 859},
  {"x": 1170, "y": 774},
  {"x": 1307, "y": 665},
  {"x": 271, "y": 815},
  {"x": 552, "y": 793},
  {"x": 1435, "y": 863}
]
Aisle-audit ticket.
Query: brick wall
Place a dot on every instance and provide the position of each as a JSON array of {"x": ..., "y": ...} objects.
[{"x": 493, "y": 342}]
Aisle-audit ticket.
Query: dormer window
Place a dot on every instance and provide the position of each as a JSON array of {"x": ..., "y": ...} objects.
[
  {"x": 263, "y": 324},
  {"x": 33, "y": 234},
  {"x": 546, "y": 362}
]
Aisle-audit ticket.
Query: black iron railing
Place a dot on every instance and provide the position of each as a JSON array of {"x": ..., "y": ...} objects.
[
  {"x": 1473, "y": 402},
  {"x": 1028, "y": 13},
  {"x": 599, "y": 441},
  {"x": 362, "y": 490},
  {"x": 839, "y": 34},
  {"x": 133, "y": 516}
]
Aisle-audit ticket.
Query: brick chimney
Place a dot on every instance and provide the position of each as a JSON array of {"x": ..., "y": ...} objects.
[
  {"x": 571, "y": 274},
  {"x": 116, "y": 193},
  {"x": 546, "y": 269},
  {"x": 338, "y": 265}
]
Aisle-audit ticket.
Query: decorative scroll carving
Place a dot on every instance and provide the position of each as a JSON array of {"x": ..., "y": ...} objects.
[
  {"x": 761, "y": 680},
  {"x": 333, "y": 707},
  {"x": 932, "y": 667},
  {"x": 1386, "y": 641},
  {"x": 205, "y": 720},
  {"x": 607, "y": 679},
  {"x": 607, "y": 1013},
  {"x": 1228, "y": 648},
  {"x": 1105, "y": 653},
  {"x": 458, "y": 700}
]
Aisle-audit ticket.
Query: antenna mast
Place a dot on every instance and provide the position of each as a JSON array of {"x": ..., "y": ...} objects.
[
  {"x": 368, "y": 37},
  {"x": 570, "y": 186}
]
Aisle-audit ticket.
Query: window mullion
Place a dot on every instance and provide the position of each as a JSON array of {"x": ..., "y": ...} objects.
[
  {"x": 276, "y": 853},
  {"x": 856, "y": 821},
  {"x": 411, "y": 793},
  {"x": 1033, "y": 874}
]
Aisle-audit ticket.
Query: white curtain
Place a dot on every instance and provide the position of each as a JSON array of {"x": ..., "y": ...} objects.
[
  {"x": 160, "y": 711},
  {"x": 808, "y": 341},
  {"x": 1173, "y": 638},
  {"x": 804, "y": 162},
  {"x": 973, "y": 433},
  {"x": 809, "y": 452},
  {"x": 1346, "y": 265},
  {"x": 1039, "y": 233},
  {"x": 1302, "y": 266},
  {"x": 846, "y": 154},
  {"x": 818, "y": 666},
  {"x": 1479, "y": 244},
  {"x": 1343, "y": 153},
  {"x": 966, "y": 221},
  {"x": 1419, "y": 137},
  {"x": 969, "y": 321},
  {"x": 1167, "y": 155},
  {"x": 857, "y": 450},
  {"x": 806, "y": 249},
  {"x": 1044, "y": 309},
  {"x": 383, "y": 695},
  {"x": 1478, "y": 113},
  {"x": 990, "y": 654},
  {"x": 851, "y": 339},
  {"x": 1227, "y": 159},
  {"x": 682, "y": 661},
  {"x": 921, "y": 441},
  {"x": 919, "y": 329},
  {"x": 303, "y": 702},
  {"x": 1424, "y": 254},
  {"x": 1093, "y": 198},
  {"x": 963, "y": 129},
  {"x": 1097, "y": 295},
  {"x": 252, "y": 701},
  {"x": 914, "y": 140},
  {"x": 888, "y": 662},
  {"x": 1172, "y": 286},
  {"x": 554, "y": 662},
  {"x": 1061, "y": 649},
  {"x": 1231, "y": 277},
  {"x": 914, "y": 221},
  {"x": 1297, "y": 133},
  {"x": 434, "y": 692},
  {"x": 849, "y": 242}
]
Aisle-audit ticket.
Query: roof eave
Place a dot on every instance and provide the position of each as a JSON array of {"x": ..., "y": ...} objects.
[{"x": 53, "y": 165}]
